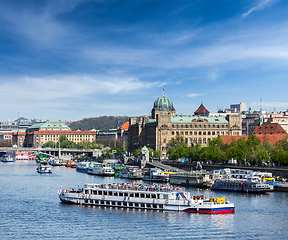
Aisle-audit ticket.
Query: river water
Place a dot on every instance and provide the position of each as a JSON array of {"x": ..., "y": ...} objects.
[{"x": 30, "y": 209}]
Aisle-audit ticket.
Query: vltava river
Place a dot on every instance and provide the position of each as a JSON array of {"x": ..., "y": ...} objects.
[{"x": 30, "y": 209}]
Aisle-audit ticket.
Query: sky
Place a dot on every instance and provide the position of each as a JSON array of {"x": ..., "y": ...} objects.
[{"x": 69, "y": 60}]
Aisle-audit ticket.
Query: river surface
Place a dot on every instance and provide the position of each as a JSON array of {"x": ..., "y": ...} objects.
[{"x": 30, "y": 209}]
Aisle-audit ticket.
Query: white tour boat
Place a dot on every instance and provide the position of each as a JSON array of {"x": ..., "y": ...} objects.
[
  {"x": 101, "y": 169},
  {"x": 155, "y": 197},
  {"x": 156, "y": 175},
  {"x": 43, "y": 167},
  {"x": 131, "y": 172}
]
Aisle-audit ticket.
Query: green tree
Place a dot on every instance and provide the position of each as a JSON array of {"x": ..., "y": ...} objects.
[{"x": 175, "y": 143}]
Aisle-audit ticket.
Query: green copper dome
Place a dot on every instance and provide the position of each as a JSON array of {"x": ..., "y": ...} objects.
[{"x": 163, "y": 104}]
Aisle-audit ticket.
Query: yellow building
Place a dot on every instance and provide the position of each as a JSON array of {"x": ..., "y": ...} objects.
[{"x": 164, "y": 124}]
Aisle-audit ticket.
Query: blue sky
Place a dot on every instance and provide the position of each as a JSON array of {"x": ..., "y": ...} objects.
[{"x": 69, "y": 60}]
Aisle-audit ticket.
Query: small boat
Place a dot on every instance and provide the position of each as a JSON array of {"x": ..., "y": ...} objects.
[
  {"x": 150, "y": 197},
  {"x": 7, "y": 158},
  {"x": 55, "y": 162},
  {"x": 131, "y": 172},
  {"x": 83, "y": 167},
  {"x": 43, "y": 167},
  {"x": 101, "y": 169},
  {"x": 156, "y": 175},
  {"x": 250, "y": 184},
  {"x": 71, "y": 164}
]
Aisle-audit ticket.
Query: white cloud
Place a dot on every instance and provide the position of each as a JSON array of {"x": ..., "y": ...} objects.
[
  {"x": 63, "y": 86},
  {"x": 260, "y": 6},
  {"x": 194, "y": 95}
]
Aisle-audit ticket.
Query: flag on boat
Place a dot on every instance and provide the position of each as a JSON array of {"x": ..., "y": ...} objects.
[{"x": 164, "y": 89}]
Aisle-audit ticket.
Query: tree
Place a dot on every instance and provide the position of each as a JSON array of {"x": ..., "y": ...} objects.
[{"x": 175, "y": 143}]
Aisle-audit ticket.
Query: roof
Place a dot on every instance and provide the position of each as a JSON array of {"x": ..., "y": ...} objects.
[
  {"x": 144, "y": 149},
  {"x": 187, "y": 119},
  {"x": 125, "y": 126},
  {"x": 269, "y": 128},
  {"x": 201, "y": 110},
  {"x": 273, "y": 138},
  {"x": 62, "y": 132},
  {"x": 49, "y": 125}
]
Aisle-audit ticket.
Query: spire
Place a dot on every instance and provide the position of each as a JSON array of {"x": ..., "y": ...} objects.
[{"x": 261, "y": 116}]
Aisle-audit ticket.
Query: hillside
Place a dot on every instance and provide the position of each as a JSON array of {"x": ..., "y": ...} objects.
[{"x": 99, "y": 123}]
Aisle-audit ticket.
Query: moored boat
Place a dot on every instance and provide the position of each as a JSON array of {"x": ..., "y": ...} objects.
[
  {"x": 152, "y": 197},
  {"x": 201, "y": 179},
  {"x": 101, "y": 169},
  {"x": 131, "y": 172},
  {"x": 83, "y": 167},
  {"x": 156, "y": 175},
  {"x": 6, "y": 158},
  {"x": 43, "y": 167},
  {"x": 250, "y": 184}
]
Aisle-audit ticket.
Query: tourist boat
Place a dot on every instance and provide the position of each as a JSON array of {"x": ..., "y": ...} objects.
[
  {"x": 7, "y": 158},
  {"x": 43, "y": 167},
  {"x": 249, "y": 184},
  {"x": 131, "y": 172},
  {"x": 156, "y": 175},
  {"x": 101, "y": 169},
  {"x": 83, "y": 167},
  {"x": 155, "y": 197},
  {"x": 201, "y": 179}
]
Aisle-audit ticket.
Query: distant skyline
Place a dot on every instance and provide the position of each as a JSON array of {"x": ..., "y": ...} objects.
[{"x": 69, "y": 60}]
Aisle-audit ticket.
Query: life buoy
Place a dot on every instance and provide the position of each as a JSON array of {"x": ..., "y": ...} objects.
[
  {"x": 196, "y": 201},
  {"x": 166, "y": 201},
  {"x": 103, "y": 197}
]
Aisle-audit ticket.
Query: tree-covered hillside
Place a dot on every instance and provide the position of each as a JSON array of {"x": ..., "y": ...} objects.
[{"x": 99, "y": 123}]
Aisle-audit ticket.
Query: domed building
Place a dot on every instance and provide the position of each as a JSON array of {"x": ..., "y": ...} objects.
[{"x": 164, "y": 124}]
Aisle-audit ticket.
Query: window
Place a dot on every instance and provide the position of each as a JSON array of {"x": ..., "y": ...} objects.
[
  {"x": 195, "y": 133},
  {"x": 186, "y": 133},
  {"x": 165, "y": 196},
  {"x": 172, "y": 133}
]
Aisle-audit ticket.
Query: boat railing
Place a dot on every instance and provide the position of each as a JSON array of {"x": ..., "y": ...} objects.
[{"x": 136, "y": 187}]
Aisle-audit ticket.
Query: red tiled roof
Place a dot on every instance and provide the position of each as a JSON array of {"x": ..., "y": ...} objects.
[
  {"x": 64, "y": 132},
  {"x": 201, "y": 109},
  {"x": 125, "y": 126},
  {"x": 272, "y": 138},
  {"x": 269, "y": 128}
]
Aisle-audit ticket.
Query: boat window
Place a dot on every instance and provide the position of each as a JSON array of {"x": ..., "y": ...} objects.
[
  {"x": 110, "y": 193},
  {"x": 147, "y": 195},
  {"x": 115, "y": 193},
  {"x": 136, "y": 194},
  {"x": 165, "y": 196},
  {"x": 99, "y": 192},
  {"x": 104, "y": 192},
  {"x": 131, "y": 194},
  {"x": 125, "y": 194},
  {"x": 158, "y": 196},
  {"x": 153, "y": 195},
  {"x": 142, "y": 195},
  {"x": 120, "y": 194},
  {"x": 95, "y": 192},
  {"x": 142, "y": 205},
  {"x": 86, "y": 191}
]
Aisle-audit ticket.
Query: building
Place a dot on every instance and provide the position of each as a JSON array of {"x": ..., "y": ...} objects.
[
  {"x": 43, "y": 132},
  {"x": 164, "y": 124}
]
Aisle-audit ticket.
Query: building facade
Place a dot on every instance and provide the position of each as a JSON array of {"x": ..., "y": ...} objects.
[
  {"x": 41, "y": 133},
  {"x": 164, "y": 124}
]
